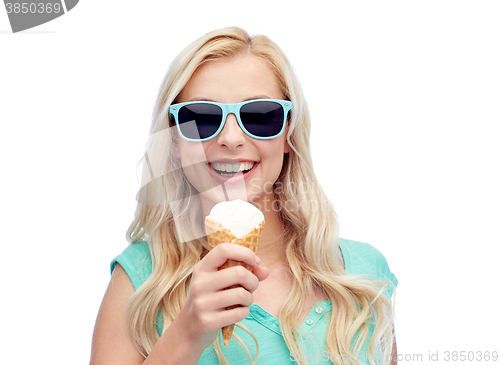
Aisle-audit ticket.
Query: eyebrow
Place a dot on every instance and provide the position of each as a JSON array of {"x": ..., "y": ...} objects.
[{"x": 213, "y": 101}]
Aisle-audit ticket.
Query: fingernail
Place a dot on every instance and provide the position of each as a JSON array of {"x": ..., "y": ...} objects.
[{"x": 257, "y": 259}]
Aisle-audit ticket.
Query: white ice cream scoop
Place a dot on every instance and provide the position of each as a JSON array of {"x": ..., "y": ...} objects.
[{"x": 237, "y": 215}]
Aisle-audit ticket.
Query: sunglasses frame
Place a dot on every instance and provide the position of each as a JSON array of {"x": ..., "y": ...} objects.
[{"x": 230, "y": 109}]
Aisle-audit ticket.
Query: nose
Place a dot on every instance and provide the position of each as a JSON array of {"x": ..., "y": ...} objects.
[{"x": 231, "y": 136}]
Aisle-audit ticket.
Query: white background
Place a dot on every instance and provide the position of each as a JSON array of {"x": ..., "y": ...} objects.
[{"x": 404, "y": 98}]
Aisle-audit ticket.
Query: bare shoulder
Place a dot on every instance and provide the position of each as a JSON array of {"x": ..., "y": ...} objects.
[{"x": 111, "y": 343}]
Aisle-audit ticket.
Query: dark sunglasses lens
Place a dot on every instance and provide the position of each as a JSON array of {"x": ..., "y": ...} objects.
[
  {"x": 262, "y": 118},
  {"x": 199, "y": 121}
]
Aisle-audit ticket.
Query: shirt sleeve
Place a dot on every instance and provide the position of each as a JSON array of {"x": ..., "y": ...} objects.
[
  {"x": 364, "y": 259},
  {"x": 136, "y": 261}
]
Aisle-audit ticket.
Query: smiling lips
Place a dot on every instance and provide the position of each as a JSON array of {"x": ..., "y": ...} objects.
[
  {"x": 227, "y": 169},
  {"x": 231, "y": 169}
]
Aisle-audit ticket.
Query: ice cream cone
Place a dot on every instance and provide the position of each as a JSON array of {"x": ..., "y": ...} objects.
[{"x": 218, "y": 234}]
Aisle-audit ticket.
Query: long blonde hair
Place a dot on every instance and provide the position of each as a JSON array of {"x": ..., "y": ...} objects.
[{"x": 168, "y": 217}]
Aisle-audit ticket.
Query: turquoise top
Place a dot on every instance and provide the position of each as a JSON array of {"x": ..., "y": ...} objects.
[{"x": 359, "y": 259}]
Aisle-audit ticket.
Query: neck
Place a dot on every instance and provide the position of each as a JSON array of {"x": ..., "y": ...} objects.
[{"x": 272, "y": 245}]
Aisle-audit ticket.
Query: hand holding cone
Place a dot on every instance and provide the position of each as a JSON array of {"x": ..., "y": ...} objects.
[{"x": 218, "y": 232}]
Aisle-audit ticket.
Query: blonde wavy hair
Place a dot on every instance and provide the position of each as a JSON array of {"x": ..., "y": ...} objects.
[{"x": 168, "y": 217}]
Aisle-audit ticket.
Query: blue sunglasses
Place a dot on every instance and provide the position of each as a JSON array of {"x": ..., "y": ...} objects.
[{"x": 199, "y": 121}]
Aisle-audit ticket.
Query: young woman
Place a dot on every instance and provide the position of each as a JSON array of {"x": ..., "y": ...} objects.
[{"x": 231, "y": 122}]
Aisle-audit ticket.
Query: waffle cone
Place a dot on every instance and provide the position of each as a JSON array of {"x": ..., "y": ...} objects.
[{"x": 217, "y": 234}]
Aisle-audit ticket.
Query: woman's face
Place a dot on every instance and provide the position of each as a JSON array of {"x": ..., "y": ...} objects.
[{"x": 229, "y": 81}]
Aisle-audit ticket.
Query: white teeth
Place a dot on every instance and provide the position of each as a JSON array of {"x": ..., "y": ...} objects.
[
  {"x": 246, "y": 165},
  {"x": 232, "y": 168}
]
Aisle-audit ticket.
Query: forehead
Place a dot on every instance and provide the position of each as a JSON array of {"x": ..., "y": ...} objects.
[{"x": 232, "y": 80}]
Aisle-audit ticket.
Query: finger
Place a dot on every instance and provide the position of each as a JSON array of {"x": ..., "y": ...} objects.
[
  {"x": 222, "y": 300},
  {"x": 227, "y": 251},
  {"x": 225, "y": 317},
  {"x": 234, "y": 315},
  {"x": 210, "y": 282},
  {"x": 236, "y": 275},
  {"x": 232, "y": 297},
  {"x": 261, "y": 272}
]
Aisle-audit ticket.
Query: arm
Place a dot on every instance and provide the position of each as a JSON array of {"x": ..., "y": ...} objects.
[
  {"x": 112, "y": 343},
  {"x": 394, "y": 355},
  {"x": 197, "y": 324}
]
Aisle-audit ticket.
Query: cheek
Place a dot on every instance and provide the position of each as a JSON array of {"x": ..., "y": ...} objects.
[
  {"x": 191, "y": 153},
  {"x": 194, "y": 165},
  {"x": 274, "y": 155}
]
